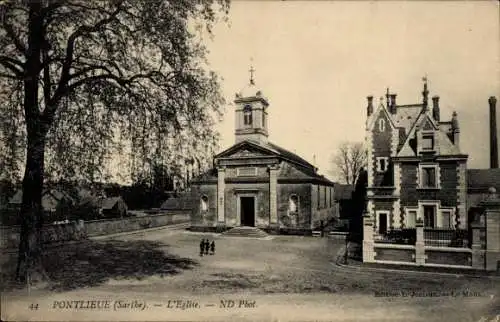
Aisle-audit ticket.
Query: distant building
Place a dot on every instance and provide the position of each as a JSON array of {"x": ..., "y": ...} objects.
[
  {"x": 258, "y": 183},
  {"x": 344, "y": 200},
  {"x": 54, "y": 202},
  {"x": 480, "y": 181},
  {"x": 113, "y": 207}
]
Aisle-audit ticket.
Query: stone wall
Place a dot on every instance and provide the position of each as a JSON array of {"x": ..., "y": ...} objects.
[
  {"x": 9, "y": 235},
  {"x": 303, "y": 218},
  {"x": 419, "y": 254},
  {"x": 208, "y": 218},
  {"x": 399, "y": 254}
]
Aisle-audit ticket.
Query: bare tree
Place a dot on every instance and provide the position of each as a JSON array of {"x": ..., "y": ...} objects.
[
  {"x": 78, "y": 73},
  {"x": 347, "y": 162}
]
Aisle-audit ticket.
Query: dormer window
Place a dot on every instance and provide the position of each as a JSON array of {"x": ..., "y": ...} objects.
[
  {"x": 381, "y": 125},
  {"x": 428, "y": 142},
  {"x": 247, "y": 115}
]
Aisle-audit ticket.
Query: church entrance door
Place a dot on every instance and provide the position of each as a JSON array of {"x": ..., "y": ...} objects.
[{"x": 247, "y": 211}]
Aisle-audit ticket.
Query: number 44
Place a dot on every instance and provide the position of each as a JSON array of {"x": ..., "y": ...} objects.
[{"x": 33, "y": 306}]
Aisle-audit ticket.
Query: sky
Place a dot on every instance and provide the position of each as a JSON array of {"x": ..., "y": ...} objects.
[{"x": 316, "y": 62}]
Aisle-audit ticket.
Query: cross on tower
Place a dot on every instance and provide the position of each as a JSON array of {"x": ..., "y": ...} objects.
[{"x": 252, "y": 70}]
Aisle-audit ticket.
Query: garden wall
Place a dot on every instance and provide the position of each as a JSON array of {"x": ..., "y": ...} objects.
[{"x": 9, "y": 235}]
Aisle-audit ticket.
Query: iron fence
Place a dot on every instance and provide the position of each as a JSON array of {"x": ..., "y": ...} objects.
[{"x": 446, "y": 237}]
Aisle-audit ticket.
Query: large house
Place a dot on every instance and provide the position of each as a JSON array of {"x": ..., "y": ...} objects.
[
  {"x": 416, "y": 170},
  {"x": 258, "y": 183}
]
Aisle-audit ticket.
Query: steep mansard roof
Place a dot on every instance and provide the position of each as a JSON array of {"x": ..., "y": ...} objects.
[{"x": 406, "y": 120}]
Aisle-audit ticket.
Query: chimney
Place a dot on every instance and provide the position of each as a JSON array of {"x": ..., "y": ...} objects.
[
  {"x": 435, "y": 108},
  {"x": 425, "y": 94},
  {"x": 493, "y": 133},
  {"x": 455, "y": 130},
  {"x": 387, "y": 99},
  {"x": 369, "y": 108},
  {"x": 393, "y": 103}
]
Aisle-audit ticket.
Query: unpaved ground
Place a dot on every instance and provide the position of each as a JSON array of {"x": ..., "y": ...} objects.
[{"x": 283, "y": 279}]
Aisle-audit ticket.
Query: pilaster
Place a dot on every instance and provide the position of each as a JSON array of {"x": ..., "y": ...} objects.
[
  {"x": 368, "y": 244},
  {"x": 396, "y": 206},
  {"x": 420, "y": 243},
  {"x": 273, "y": 195},
  {"x": 369, "y": 148},
  {"x": 478, "y": 252},
  {"x": 461, "y": 215},
  {"x": 221, "y": 187},
  {"x": 493, "y": 237}
]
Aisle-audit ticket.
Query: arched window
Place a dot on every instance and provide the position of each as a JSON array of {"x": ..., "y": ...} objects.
[
  {"x": 381, "y": 125},
  {"x": 293, "y": 204},
  {"x": 247, "y": 115},
  {"x": 204, "y": 203}
]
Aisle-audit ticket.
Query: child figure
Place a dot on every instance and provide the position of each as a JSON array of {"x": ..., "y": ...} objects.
[
  {"x": 212, "y": 247},
  {"x": 202, "y": 247},
  {"x": 207, "y": 246}
]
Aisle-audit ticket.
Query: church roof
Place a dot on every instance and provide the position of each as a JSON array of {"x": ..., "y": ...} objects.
[
  {"x": 250, "y": 90},
  {"x": 289, "y": 155},
  {"x": 271, "y": 148}
]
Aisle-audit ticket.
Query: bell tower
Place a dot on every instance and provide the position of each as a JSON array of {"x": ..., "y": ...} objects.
[{"x": 251, "y": 113}]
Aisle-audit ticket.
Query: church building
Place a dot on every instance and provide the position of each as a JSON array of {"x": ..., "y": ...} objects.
[{"x": 259, "y": 184}]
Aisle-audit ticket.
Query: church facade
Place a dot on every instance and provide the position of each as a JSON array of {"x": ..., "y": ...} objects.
[{"x": 258, "y": 183}]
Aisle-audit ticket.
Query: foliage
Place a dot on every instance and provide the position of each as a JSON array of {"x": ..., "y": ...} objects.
[
  {"x": 348, "y": 161},
  {"x": 82, "y": 78},
  {"x": 117, "y": 80}
]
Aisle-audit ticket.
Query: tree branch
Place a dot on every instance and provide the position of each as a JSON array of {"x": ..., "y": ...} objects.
[
  {"x": 70, "y": 46},
  {"x": 12, "y": 64}
]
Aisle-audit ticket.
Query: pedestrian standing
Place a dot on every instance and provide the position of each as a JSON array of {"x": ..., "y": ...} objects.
[
  {"x": 202, "y": 246},
  {"x": 212, "y": 247},
  {"x": 207, "y": 246}
]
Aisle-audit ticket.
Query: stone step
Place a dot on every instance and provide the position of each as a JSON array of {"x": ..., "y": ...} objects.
[{"x": 245, "y": 231}]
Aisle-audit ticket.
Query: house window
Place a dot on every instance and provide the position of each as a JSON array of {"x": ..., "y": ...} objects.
[
  {"x": 204, "y": 203},
  {"x": 429, "y": 216},
  {"x": 446, "y": 219},
  {"x": 247, "y": 115},
  {"x": 293, "y": 204},
  {"x": 429, "y": 176},
  {"x": 428, "y": 142},
  {"x": 382, "y": 164},
  {"x": 411, "y": 218},
  {"x": 381, "y": 125}
]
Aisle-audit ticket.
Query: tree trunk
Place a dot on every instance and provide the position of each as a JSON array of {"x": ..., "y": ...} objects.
[{"x": 29, "y": 265}]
